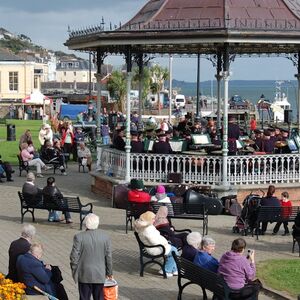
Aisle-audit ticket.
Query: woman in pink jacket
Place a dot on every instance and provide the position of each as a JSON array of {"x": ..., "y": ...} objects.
[{"x": 37, "y": 162}]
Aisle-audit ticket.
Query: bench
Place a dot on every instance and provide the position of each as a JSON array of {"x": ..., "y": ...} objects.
[
  {"x": 186, "y": 211},
  {"x": 274, "y": 214},
  {"x": 154, "y": 259},
  {"x": 207, "y": 280},
  {"x": 134, "y": 210},
  {"x": 71, "y": 204},
  {"x": 24, "y": 166}
]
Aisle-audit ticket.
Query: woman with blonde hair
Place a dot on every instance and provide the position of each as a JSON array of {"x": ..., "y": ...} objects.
[{"x": 150, "y": 236}]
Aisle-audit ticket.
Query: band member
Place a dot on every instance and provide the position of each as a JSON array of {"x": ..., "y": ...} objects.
[{"x": 233, "y": 136}]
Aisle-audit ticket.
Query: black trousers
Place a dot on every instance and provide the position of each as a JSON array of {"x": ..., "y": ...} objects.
[
  {"x": 277, "y": 226},
  {"x": 86, "y": 290}
]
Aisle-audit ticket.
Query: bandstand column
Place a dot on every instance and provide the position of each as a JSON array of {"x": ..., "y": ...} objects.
[
  {"x": 198, "y": 113},
  {"x": 141, "y": 79},
  {"x": 298, "y": 96},
  {"x": 170, "y": 87},
  {"x": 219, "y": 78},
  {"x": 128, "y": 113},
  {"x": 100, "y": 59},
  {"x": 225, "y": 75}
]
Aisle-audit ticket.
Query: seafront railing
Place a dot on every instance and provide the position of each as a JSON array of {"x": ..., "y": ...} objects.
[{"x": 246, "y": 169}]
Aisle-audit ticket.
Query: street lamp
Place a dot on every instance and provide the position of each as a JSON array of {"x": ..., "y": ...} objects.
[{"x": 261, "y": 104}]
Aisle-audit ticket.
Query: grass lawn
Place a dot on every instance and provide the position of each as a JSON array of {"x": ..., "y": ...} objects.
[
  {"x": 10, "y": 149},
  {"x": 281, "y": 275}
]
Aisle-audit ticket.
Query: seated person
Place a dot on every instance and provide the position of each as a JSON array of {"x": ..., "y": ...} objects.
[
  {"x": 162, "y": 224},
  {"x": 269, "y": 200},
  {"x": 18, "y": 247},
  {"x": 52, "y": 194},
  {"x": 6, "y": 168},
  {"x": 84, "y": 152},
  {"x": 192, "y": 246},
  {"x": 161, "y": 197},
  {"x": 32, "y": 272},
  {"x": 150, "y": 236},
  {"x": 137, "y": 193},
  {"x": 31, "y": 192},
  {"x": 239, "y": 271},
  {"x": 29, "y": 158},
  {"x": 204, "y": 257},
  {"x": 296, "y": 227},
  {"x": 52, "y": 154},
  {"x": 31, "y": 149}
]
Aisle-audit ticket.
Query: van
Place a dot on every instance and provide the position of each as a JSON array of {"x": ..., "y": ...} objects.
[{"x": 179, "y": 101}]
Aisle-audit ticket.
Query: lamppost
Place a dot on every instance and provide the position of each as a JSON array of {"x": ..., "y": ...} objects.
[{"x": 261, "y": 103}]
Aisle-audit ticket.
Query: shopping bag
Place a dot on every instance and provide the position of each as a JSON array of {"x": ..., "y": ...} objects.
[
  {"x": 110, "y": 289},
  {"x": 84, "y": 161}
]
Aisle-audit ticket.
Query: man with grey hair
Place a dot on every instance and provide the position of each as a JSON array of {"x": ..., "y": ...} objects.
[
  {"x": 91, "y": 259},
  {"x": 31, "y": 192},
  {"x": 18, "y": 247},
  {"x": 204, "y": 257}
]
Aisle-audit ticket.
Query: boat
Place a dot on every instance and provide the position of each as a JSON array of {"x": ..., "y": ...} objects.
[{"x": 280, "y": 103}]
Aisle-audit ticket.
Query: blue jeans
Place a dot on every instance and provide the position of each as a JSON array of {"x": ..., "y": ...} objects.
[
  {"x": 105, "y": 140},
  {"x": 170, "y": 266}
]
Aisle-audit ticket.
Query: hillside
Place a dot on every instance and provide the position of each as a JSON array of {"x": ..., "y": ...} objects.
[{"x": 18, "y": 44}]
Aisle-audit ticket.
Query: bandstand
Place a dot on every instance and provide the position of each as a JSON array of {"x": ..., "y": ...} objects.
[{"x": 219, "y": 30}]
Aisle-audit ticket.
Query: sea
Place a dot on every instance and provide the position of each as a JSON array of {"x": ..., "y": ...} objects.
[{"x": 248, "y": 89}]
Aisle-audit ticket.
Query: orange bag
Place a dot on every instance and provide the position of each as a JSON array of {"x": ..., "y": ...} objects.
[{"x": 110, "y": 290}]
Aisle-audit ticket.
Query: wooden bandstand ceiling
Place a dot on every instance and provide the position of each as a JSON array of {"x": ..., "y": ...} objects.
[{"x": 200, "y": 26}]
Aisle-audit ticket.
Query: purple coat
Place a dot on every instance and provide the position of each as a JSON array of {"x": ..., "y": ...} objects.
[{"x": 236, "y": 269}]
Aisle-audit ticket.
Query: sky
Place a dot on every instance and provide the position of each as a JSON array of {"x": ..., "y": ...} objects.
[{"x": 46, "y": 23}]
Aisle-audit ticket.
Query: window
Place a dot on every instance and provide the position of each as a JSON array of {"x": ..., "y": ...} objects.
[
  {"x": 35, "y": 83},
  {"x": 74, "y": 73},
  {"x": 65, "y": 73},
  {"x": 13, "y": 81}
]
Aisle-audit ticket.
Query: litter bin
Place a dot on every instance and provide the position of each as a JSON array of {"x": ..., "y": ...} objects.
[{"x": 11, "y": 132}]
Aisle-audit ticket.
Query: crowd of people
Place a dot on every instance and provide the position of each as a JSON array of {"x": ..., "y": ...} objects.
[
  {"x": 90, "y": 261},
  {"x": 55, "y": 148}
]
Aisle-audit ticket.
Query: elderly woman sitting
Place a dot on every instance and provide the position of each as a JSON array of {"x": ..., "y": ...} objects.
[
  {"x": 163, "y": 225},
  {"x": 84, "y": 154},
  {"x": 192, "y": 246},
  {"x": 29, "y": 158},
  {"x": 150, "y": 236},
  {"x": 204, "y": 257},
  {"x": 161, "y": 197}
]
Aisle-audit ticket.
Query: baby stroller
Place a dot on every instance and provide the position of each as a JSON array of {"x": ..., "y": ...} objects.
[{"x": 246, "y": 215}]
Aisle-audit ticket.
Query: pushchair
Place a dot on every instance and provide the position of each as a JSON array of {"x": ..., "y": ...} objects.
[{"x": 246, "y": 214}]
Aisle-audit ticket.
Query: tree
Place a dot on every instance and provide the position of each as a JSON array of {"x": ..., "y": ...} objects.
[
  {"x": 146, "y": 82},
  {"x": 158, "y": 77},
  {"x": 117, "y": 88}
]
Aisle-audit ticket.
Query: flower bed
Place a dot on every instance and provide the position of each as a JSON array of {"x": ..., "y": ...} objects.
[{"x": 10, "y": 290}]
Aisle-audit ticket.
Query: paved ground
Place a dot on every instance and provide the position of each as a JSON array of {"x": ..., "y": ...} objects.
[{"x": 57, "y": 239}]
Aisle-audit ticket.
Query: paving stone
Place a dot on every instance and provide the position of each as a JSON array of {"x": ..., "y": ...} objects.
[{"x": 57, "y": 239}]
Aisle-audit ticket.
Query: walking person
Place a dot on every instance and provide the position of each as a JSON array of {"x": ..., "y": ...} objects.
[
  {"x": 91, "y": 259},
  {"x": 286, "y": 205}
]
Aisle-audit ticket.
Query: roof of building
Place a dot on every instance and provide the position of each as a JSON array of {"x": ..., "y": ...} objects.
[
  {"x": 74, "y": 65},
  {"x": 6, "y": 55},
  {"x": 201, "y": 26}
]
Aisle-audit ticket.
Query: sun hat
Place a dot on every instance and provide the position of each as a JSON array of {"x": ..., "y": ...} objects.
[{"x": 160, "y": 189}]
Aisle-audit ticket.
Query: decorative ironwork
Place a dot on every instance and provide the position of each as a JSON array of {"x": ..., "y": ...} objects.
[{"x": 294, "y": 58}]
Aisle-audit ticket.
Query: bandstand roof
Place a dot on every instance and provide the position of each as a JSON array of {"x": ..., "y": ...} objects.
[{"x": 200, "y": 26}]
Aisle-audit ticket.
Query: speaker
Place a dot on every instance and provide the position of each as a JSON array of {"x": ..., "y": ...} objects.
[
  {"x": 213, "y": 205},
  {"x": 287, "y": 116}
]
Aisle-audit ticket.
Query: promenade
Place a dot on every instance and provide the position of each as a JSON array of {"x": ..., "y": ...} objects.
[{"x": 57, "y": 239}]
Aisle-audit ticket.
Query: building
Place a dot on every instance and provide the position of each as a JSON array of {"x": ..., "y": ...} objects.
[{"x": 19, "y": 76}]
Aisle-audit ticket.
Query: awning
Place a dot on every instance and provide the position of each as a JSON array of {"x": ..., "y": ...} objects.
[{"x": 37, "y": 98}]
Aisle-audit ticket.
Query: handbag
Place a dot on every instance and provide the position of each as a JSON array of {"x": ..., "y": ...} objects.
[{"x": 110, "y": 289}]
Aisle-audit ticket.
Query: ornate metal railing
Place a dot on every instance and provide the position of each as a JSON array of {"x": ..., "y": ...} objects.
[{"x": 247, "y": 169}]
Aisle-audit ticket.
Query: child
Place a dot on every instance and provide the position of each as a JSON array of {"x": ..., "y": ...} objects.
[{"x": 286, "y": 205}]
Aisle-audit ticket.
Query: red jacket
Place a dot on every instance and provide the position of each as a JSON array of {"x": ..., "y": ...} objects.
[
  {"x": 138, "y": 196},
  {"x": 286, "y": 208}
]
